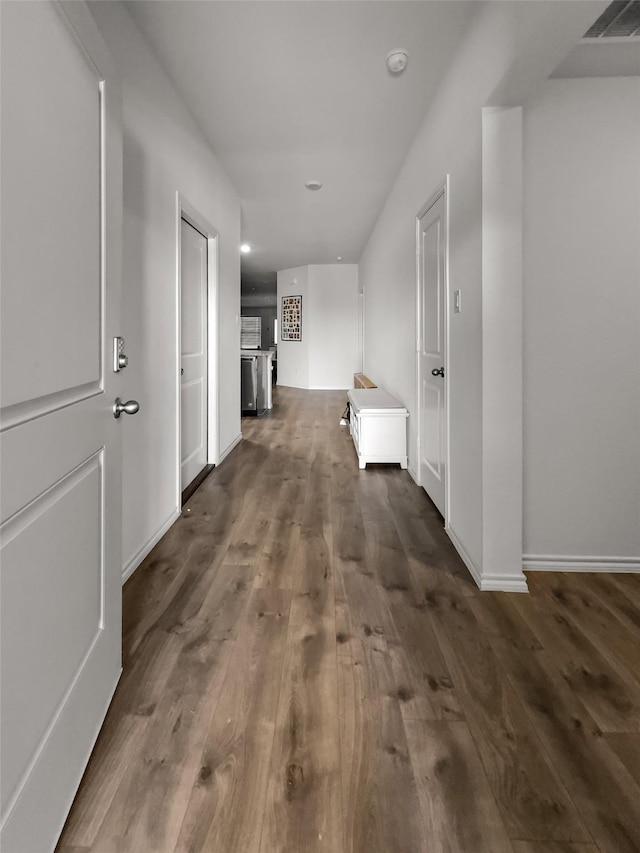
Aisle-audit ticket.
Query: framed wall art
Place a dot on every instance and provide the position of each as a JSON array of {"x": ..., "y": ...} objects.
[{"x": 291, "y": 321}]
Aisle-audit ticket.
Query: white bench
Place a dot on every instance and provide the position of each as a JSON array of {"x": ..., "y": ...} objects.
[{"x": 378, "y": 426}]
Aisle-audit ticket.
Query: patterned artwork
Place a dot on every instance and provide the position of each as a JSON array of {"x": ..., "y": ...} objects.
[{"x": 291, "y": 318}]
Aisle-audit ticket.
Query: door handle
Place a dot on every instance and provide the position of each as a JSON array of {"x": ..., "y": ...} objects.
[
  {"x": 129, "y": 408},
  {"x": 436, "y": 372}
]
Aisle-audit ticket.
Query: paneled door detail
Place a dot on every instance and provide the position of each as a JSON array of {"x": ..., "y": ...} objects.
[
  {"x": 60, "y": 533},
  {"x": 193, "y": 326},
  {"x": 432, "y": 349}
]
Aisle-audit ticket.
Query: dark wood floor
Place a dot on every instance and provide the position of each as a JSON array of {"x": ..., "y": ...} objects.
[{"x": 309, "y": 667}]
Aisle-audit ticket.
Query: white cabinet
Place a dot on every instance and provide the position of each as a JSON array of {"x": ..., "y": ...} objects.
[{"x": 378, "y": 425}]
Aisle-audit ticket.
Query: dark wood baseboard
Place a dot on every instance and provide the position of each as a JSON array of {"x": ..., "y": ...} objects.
[{"x": 195, "y": 484}]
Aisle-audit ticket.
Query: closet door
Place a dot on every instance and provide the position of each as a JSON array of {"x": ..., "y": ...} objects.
[{"x": 60, "y": 534}]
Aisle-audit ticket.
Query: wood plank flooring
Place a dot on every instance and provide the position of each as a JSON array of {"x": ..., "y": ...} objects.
[{"x": 309, "y": 667}]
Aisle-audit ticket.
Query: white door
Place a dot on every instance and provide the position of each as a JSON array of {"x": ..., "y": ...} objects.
[
  {"x": 60, "y": 533},
  {"x": 193, "y": 325},
  {"x": 432, "y": 348}
]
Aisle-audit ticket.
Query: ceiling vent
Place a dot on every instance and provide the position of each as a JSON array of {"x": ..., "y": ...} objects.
[{"x": 620, "y": 19}]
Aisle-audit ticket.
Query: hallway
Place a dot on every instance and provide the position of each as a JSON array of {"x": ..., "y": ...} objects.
[{"x": 308, "y": 667}]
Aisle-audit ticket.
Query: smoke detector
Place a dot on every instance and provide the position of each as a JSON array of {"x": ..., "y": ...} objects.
[
  {"x": 397, "y": 60},
  {"x": 313, "y": 185}
]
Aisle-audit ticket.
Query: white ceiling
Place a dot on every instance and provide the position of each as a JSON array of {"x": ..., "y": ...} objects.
[{"x": 292, "y": 90}]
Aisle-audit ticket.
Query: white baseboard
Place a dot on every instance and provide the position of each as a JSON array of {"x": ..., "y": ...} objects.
[
  {"x": 516, "y": 582},
  {"x": 414, "y": 475},
  {"x": 504, "y": 583},
  {"x": 236, "y": 441},
  {"x": 570, "y": 563},
  {"x": 139, "y": 556}
]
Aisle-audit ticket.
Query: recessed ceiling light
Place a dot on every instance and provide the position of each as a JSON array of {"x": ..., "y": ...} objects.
[
  {"x": 245, "y": 248},
  {"x": 397, "y": 60},
  {"x": 313, "y": 185},
  {"x": 339, "y": 258}
]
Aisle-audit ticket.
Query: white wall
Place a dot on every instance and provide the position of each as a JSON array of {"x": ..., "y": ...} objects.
[
  {"x": 327, "y": 356},
  {"x": 502, "y": 236},
  {"x": 582, "y": 321},
  {"x": 164, "y": 153},
  {"x": 293, "y": 356},
  {"x": 333, "y": 327},
  {"x": 509, "y": 49}
]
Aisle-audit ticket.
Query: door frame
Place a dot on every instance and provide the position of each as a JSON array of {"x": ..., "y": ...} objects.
[
  {"x": 361, "y": 327},
  {"x": 442, "y": 190},
  {"x": 186, "y": 211}
]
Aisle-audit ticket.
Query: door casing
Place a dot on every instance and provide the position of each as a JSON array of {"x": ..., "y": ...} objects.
[
  {"x": 442, "y": 190},
  {"x": 186, "y": 211},
  {"x": 194, "y": 365}
]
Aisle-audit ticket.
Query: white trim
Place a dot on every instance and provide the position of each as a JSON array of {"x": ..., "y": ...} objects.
[
  {"x": 504, "y": 583},
  {"x": 570, "y": 563},
  {"x": 412, "y": 473},
  {"x": 443, "y": 190},
  {"x": 139, "y": 556},
  {"x": 213, "y": 366},
  {"x": 236, "y": 441},
  {"x": 361, "y": 324},
  {"x": 184, "y": 210},
  {"x": 17, "y": 414},
  {"x": 487, "y": 582}
]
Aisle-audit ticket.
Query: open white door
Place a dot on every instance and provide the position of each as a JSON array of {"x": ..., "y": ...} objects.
[
  {"x": 432, "y": 349},
  {"x": 194, "y": 355},
  {"x": 60, "y": 575}
]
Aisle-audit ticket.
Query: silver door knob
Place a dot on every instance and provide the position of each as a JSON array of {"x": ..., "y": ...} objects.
[
  {"x": 129, "y": 408},
  {"x": 436, "y": 372}
]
